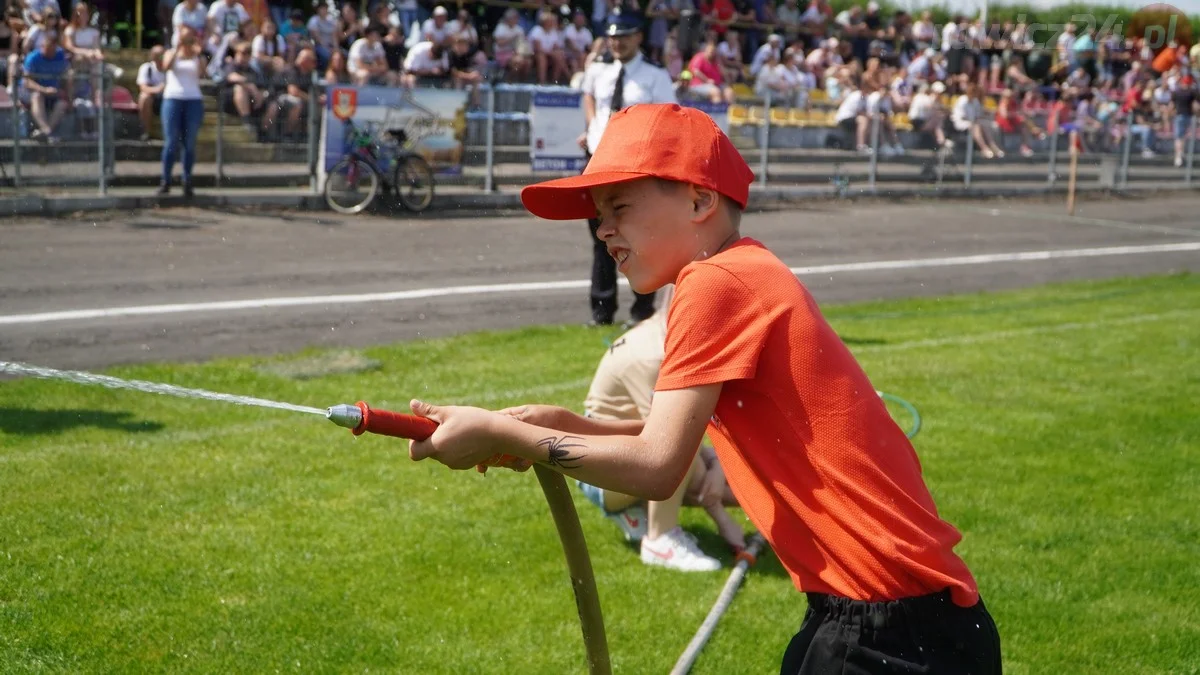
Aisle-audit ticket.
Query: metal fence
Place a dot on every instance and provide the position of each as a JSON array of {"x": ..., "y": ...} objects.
[{"x": 266, "y": 138}]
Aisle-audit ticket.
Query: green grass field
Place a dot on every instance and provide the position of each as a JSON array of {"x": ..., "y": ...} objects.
[{"x": 142, "y": 534}]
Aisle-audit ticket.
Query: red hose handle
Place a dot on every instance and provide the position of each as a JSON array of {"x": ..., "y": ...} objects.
[
  {"x": 400, "y": 425},
  {"x": 417, "y": 428}
]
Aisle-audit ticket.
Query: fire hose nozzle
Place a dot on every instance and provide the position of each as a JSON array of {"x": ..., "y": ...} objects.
[{"x": 345, "y": 415}]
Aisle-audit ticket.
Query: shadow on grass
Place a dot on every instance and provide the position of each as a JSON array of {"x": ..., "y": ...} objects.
[{"x": 27, "y": 421}]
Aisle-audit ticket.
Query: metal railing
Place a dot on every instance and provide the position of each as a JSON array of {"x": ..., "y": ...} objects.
[{"x": 789, "y": 145}]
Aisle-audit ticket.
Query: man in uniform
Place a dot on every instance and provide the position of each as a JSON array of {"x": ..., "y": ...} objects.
[{"x": 608, "y": 87}]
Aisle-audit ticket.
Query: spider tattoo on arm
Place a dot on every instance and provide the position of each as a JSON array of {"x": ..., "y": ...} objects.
[{"x": 559, "y": 450}]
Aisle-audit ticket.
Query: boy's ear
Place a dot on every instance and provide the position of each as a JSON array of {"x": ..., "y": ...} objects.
[{"x": 704, "y": 202}]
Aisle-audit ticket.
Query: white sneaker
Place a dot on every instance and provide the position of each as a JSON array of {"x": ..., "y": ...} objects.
[
  {"x": 632, "y": 522},
  {"x": 898, "y": 150},
  {"x": 677, "y": 550},
  {"x": 1148, "y": 154}
]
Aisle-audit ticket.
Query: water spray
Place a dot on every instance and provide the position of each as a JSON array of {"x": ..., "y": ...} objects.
[{"x": 360, "y": 418}]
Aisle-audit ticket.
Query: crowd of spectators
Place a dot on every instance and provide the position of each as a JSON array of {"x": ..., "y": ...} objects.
[
  {"x": 946, "y": 81},
  {"x": 50, "y": 63}
]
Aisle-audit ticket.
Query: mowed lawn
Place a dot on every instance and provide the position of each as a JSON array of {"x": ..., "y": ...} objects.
[{"x": 141, "y": 533}]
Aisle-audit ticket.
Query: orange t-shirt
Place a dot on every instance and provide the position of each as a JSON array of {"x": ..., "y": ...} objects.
[{"x": 808, "y": 447}]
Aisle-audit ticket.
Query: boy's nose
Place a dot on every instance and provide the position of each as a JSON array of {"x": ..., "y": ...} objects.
[{"x": 605, "y": 231}]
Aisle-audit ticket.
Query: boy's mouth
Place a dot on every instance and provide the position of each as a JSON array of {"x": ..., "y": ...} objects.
[{"x": 619, "y": 254}]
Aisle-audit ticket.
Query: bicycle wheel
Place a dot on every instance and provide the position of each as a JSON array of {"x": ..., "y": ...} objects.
[
  {"x": 413, "y": 181},
  {"x": 351, "y": 186}
]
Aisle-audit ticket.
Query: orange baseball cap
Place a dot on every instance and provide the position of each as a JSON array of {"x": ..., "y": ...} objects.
[{"x": 664, "y": 140}]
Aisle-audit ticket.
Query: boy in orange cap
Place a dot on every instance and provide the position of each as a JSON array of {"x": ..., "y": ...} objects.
[{"x": 808, "y": 448}]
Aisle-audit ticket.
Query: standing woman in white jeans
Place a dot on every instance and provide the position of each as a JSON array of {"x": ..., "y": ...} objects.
[{"x": 183, "y": 106}]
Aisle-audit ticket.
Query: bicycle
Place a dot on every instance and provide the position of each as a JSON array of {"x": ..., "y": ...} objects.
[{"x": 356, "y": 180}]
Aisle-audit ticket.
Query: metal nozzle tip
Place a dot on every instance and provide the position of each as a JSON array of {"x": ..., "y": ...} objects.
[{"x": 344, "y": 415}]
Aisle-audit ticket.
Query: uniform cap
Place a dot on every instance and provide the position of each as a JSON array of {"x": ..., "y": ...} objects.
[
  {"x": 623, "y": 23},
  {"x": 666, "y": 141}
]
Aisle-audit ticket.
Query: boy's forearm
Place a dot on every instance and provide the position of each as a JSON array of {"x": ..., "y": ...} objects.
[
  {"x": 624, "y": 463},
  {"x": 573, "y": 423}
]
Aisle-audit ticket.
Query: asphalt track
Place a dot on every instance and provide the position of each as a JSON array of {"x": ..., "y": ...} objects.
[{"x": 191, "y": 284}]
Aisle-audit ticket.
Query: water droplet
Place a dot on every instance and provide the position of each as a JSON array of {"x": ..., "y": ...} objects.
[{"x": 739, "y": 404}]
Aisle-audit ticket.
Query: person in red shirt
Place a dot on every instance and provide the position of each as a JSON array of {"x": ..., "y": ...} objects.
[
  {"x": 809, "y": 449},
  {"x": 707, "y": 79}
]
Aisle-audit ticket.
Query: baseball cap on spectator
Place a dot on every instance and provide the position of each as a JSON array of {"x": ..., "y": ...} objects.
[
  {"x": 297, "y": 15},
  {"x": 667, "y": 141},
  {"x": 939, "y": 87},
  {"x": 872, "y": 6},
  {"x": 440, "y": 11},
  {"x": 623, "y": 23}
]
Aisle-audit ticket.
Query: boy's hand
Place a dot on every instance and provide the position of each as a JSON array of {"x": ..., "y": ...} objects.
[
  {"x": 546, "y": 416},
  {"x": 462, "y": 440}
]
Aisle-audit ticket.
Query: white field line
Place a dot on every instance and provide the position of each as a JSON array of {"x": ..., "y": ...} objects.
[
  {"x": 1084, "y": 220},
  {"x": 549, "y": 286}
]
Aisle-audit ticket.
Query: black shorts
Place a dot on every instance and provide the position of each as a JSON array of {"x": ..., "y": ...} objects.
[{"x": 928, "y": 634}]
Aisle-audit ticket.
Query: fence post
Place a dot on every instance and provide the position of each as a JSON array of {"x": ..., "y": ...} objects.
[
  {"x": 970, "y": 163},
  {"x": 489, "y": 177},
  {"x": 314, "y": 93},
  {"x": 1123, "y": 172},
  {"x": 873, "y": 168},
  {"x": 16, "y": 125},
  {"x": 220, "y": 165},
  {"x": 1052, "y": 177},
  {"x": 102, "y": 128},
  {"x": 766, "y": 140},
  {"x": 1191, "y": 152}
]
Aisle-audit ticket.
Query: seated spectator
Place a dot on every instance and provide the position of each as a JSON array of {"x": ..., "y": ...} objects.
[
  {"x": 729, "y": 58},
  {"x": 47, "y": 87},
  {"x": 368, "y": 60},
  {"x": 793, "y": 60},
  {"x": 511, "y": 50},
  {"x": 226, "y": 20},
  {"x": 772, "y": 47},
  {"x": 823, "y": 58},
  {"x": 294, "y": 32},
  {"x": 578, "y": 40},
  {"x": 81, "y": 39},
  {"x": 191, "y": 13},
  {"x": 337, "y": 71},
  {"x": 622, "y": 388},
  {"x": 879, "y": 108},
  {"x": 788, "y": 15},
  {"x": 1010, "y": 120},
  {"x": 776, "y": 81},
  {"x": 468, "y": 65},
  {"x": 352, "y": 29},
  {"x": 966, "y": 116},
  {"x": 436, "y": 28},
  {"x": 395, "y": 47},
  {"x": 268, "y": 51},
  {"x": 927, "y": 115},
  {"x": 426, "y": 63},
  {"x": 37, "y": 32},
  {"x": 549, "y": 52},
  {"x": 150, "y": 82},
  {"x": 672, "y": 58},
  {"x": 37, "y": 10},
  {"x": 707, "y": 79},
  {"x": 325, "y": 31},
  {"x": 293, "y": 102},
  {"x": 246, "y": 97},
  {"x": 851, "y": 119},
  {"x": 663, "y": 15},
  {"x": 464, "y": 26}
]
